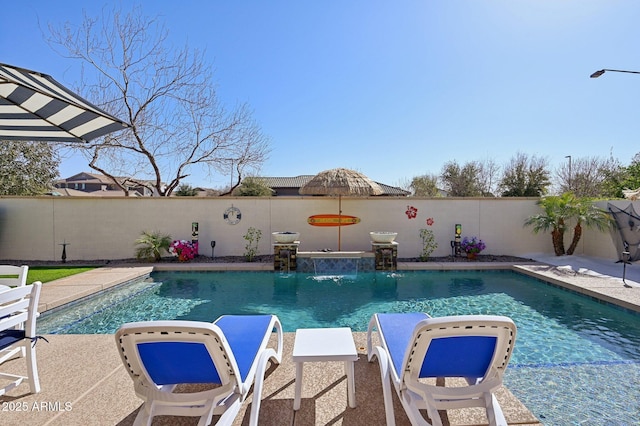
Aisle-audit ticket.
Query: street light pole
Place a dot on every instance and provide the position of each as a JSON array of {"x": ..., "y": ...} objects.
[
  {"x": 569, "y": 157},
  {"x": 602, "y": 71}
]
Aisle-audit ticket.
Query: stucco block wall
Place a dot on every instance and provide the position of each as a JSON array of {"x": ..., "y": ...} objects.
[{"x": 33, "y": 228}]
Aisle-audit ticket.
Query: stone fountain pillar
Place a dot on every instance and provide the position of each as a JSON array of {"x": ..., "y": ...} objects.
[
  {"x": 284, "y": 256},
  {"x": 386, "y": 255}
]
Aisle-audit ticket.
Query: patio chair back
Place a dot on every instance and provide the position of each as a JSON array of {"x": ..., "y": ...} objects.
[
  {"x": 13, "y": 276},
  {"x": 473, "y": 347},
  {"x": 231, "y": 353},
  {"x": 177, "y": 352},
  {"x": 18, "y": 313}
]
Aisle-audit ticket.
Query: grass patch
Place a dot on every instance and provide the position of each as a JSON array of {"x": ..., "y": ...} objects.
[{"x": 50, "y": 273}]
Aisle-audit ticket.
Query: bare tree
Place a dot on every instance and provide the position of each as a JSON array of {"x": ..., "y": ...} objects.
[
  {"x": 404, "y": 183},
  {"x": 488, "y": 176},
  {"x": 168, "y": 96},
  {"x": 586, "y": 177}
]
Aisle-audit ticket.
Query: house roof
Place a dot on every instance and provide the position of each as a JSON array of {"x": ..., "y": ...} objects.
[
  {"x": 301, "y": 180},
  {"x": 85, "y": 177},
  {"x": 90, "y": 181}
]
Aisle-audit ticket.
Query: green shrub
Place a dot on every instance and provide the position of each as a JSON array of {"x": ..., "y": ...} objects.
[
  {"x": 252, "y": 236},
  {"x": 152, "y": 245},
  {"x": 429, "y": 244}
]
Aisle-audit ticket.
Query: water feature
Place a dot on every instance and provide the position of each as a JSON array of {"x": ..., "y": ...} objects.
[
  {"x": 346, "y": 267},
  {"x": 285, "y": 260},
  {"x": 387, "y": 259}
]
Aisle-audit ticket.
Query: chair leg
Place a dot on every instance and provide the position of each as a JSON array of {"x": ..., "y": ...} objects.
[
  {"x": 205, "y": 419},
  {"x": 410, "y": 402},
  {"x": 259, "y": 382},
  {"x": 383, "y": 361},
  {"x": 372, "y": 325},
  {"x": 32, "y": 367},
  {"x": 434, "y": 416},
  {"x": 494, "y": 412},
  {"x": 144, "y": 417}
]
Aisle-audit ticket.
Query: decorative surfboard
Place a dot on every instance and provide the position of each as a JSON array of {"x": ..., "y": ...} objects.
[{"x": 332, "y": 220}]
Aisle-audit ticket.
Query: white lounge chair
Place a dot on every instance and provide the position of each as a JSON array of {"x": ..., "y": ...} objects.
[
  {"x": 13, "y": 276},
  {"x": 18, "y": 313},
  {"x": 231, "y": 352},
  {"x": 415, "y": 346}
]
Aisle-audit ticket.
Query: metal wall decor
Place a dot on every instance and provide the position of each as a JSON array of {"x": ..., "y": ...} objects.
[{"x": 232, "y": 215}]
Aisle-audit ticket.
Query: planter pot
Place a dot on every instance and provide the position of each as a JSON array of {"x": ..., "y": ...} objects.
[
  {"x": 472, "y": 256},
  {"x": 285, "y": 237}
]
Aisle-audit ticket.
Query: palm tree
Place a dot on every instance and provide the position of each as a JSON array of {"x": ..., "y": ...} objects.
[
  {"x": 585, "y": 212},
  {"x": 557, "y": 212},
  {"x": 152, "y": 245}
]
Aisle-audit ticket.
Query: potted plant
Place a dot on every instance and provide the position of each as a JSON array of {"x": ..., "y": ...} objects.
[{"x": 472, "y": 246}]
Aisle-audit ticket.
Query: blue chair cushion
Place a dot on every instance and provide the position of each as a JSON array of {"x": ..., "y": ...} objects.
[
  {"x": 9, "y": 337},
  {"x": 463, "y": 356},
  {"x": 244, "y": 334},
  {"x": 170, "y": 363},
  {"x": 397, "y": 330},
  {"x": 459, "y": 356}
]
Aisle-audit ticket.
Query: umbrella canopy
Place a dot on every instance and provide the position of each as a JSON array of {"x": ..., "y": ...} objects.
[
  {"x": 341, "y": 182},
  {"x": 35, "y": 107}
]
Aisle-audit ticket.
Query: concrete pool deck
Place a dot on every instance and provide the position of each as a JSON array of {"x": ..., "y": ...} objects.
[{"x": 84, "y": 383}]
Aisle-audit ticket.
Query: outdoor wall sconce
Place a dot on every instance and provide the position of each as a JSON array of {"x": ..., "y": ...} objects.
[
  {"x": 194, "y": 235},
  {"x": 456, "y": 248}
]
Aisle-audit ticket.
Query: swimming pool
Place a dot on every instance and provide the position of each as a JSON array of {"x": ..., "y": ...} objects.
[{"x": 576, "y": 360}]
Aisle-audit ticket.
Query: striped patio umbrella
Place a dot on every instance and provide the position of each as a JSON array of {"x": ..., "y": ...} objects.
[
  {"x": 341, "y": 182},
  {"x": 35, "y": 107}
]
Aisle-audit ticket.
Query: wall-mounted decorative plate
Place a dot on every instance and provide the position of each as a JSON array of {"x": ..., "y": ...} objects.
[{"x": 232, "y": 215}]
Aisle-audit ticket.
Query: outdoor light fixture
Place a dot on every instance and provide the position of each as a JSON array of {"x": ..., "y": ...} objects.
[
  {"x": 602, "y": 71},
  {"x": 64, "y": 250},
  {"x": 456, "y": 248}
]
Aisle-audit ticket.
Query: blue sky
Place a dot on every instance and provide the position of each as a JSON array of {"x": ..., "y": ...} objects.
[{"x": 394, "y": 89}]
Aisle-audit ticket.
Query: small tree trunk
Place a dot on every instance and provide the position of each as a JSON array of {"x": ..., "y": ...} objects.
[
  {"x": 557, "y": 236},
  {"x": 577, "y": 233}
]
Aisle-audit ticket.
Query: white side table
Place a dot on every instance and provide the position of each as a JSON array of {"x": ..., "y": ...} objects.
[{"x": 325, "y": 344}]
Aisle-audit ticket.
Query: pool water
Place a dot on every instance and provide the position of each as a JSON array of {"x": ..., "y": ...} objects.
[{"x": 576, "y": 361}]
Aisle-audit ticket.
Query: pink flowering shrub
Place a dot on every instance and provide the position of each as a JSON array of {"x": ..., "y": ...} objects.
[{"x": 183, "y": 249}]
